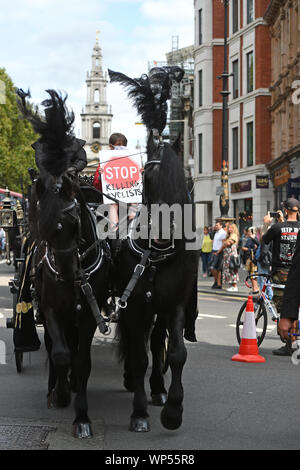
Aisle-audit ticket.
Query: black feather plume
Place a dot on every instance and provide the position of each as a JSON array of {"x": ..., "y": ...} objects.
[
  {"x": 55, "y": 128},
  {"x": 150, "y": 93}
]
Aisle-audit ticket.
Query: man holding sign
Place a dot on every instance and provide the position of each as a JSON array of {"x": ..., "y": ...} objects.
[{"x": 119, "y": 175}]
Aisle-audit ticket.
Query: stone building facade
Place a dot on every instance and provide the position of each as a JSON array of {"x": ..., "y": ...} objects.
[{"x": 283, "y": 18}]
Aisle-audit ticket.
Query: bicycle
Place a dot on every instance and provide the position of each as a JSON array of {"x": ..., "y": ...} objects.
[{"x": 262, "y": 308}]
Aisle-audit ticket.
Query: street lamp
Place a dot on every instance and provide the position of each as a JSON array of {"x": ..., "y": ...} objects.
[
  {"x": 7, "y": 220},
  {"x": 224, "y": 196}
]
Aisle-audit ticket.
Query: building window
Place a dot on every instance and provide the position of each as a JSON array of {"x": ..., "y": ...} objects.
[
  {"x": 200, "y": 26},
  {"x": 250, "y": 72},
  {"x": 235, "y": 82},
  {"x": 96, "y": 96},
  {"x": 200, "y": 154},
  {"x": 250, "y": 11},
  {"x": 235, "y": 148},
  {"x": 235, "y": 16},
  {"x": 200, "y": 88},
  {"x": 96, "y": 130},
  {"x": 250, "y": 142}
]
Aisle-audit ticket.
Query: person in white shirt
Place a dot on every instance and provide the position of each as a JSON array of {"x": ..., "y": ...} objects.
[{"x": 217, "y": 254}]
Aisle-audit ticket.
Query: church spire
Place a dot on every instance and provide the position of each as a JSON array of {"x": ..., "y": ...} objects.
[
  {"x": 97, "y": 59},
  {"x": 96, "y": 116}
]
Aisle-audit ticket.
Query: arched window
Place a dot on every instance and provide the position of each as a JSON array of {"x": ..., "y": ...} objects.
[
  {"x": 97, "y": 96},
  {"x": 97, "y": 62},
  {"x": 96, "y": 130}
]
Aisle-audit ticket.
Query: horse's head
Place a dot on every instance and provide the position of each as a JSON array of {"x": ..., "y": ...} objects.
[
  {"x": 57, "y": 221},
  {"x": 164, "y": 190}
]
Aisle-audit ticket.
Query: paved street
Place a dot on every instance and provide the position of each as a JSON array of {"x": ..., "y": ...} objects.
[{"x": 227, "y": 405}]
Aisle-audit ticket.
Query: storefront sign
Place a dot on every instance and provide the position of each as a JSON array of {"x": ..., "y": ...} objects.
[
  {"x": 294, "y": 187},
  {"x": 241, "y": 187},
  {"x": 262, "y": 181},
  {"x": 281, "y": 176}
]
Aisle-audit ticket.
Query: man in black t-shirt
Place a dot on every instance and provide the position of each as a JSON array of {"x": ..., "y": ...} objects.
[{"x": 284, "y": 237}]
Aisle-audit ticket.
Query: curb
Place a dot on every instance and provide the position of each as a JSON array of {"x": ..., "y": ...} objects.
[{"x": 238, "y": 295}]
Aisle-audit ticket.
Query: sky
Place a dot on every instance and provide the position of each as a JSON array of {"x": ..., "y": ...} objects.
[{"x": 48, "y": 44}]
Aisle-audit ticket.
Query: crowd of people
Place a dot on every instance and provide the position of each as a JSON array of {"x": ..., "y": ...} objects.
[
  {"x": 224, "y": 252},
  {"x": 270, "y": 249}
]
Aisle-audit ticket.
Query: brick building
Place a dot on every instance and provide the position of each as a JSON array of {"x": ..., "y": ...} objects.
[
  {"x": 283, "y": 18},
  {"x": 249, "y": 126}
]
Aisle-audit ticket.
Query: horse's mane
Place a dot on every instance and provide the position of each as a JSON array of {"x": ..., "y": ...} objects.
[{"x": 169, "y": 182}]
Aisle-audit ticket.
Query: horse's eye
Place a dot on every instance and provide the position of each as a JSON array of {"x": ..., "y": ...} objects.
[{"x": 59, "y": 226}]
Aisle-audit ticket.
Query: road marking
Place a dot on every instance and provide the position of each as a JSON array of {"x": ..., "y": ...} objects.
[
  {"x": 214, "y": 297},
  {"x": 210, "y": 316}
]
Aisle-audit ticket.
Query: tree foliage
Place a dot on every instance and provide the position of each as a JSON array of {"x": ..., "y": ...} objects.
[{"x": 16, "y": 137}]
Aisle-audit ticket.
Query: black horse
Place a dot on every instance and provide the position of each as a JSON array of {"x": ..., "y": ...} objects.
[
  {"x": 164, "y": 299},
  {"x": 71, "y": 286}
]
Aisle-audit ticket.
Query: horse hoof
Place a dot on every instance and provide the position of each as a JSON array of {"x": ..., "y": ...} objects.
[
  {"x": 159, "y": 399},
  {"x": 139, "y": 425},
  {"x": 82, "y": 430},
  {"x": 171, "y": 418}
]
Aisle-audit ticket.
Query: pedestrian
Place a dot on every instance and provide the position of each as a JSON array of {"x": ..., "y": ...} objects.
[
  {"x": 217, "y": 254},
  {"x": 283, "y": 233},
  {"x": 230, "y": 274},
  {"x": 206, "y": 249},
  {"x": 250, "y": 249},
  {"x": 242, "y": 243},
  {"x": 2, "y": 241}
]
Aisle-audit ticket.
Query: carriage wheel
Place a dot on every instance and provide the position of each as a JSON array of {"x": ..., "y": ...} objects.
[{"x": 19, "y": 361}]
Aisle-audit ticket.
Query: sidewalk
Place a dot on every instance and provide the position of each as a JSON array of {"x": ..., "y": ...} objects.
[{"x": 205, "y": 283}]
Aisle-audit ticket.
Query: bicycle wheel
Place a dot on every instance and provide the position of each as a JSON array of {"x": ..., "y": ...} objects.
[{"x": 261, "y": 320}]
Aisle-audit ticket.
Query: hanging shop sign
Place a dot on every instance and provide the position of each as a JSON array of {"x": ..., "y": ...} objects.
[{"x": 281, "y": 176}]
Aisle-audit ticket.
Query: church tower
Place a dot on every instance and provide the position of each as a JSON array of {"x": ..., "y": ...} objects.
[{"x": 96, "y": 116}]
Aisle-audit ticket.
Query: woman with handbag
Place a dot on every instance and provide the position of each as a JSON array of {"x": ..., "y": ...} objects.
[{"x": 231, "y": 259}]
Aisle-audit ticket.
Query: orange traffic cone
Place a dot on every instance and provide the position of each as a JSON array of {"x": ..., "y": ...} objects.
[{"x": 248, "y": 351}]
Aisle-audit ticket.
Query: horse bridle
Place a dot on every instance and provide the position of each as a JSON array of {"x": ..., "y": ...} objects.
[
  {"x": 82, "y": 278},
  {"x": 149, "y": 163}
]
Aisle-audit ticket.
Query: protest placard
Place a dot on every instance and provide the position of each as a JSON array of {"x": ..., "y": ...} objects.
[{"x": 121, "y": 176}]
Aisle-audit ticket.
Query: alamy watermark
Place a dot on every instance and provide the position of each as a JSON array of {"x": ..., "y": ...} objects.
[
  {"x": 156, "y": 222},
  {"x": 2, "y": 353},
  {"x": 296, "y": 93}
]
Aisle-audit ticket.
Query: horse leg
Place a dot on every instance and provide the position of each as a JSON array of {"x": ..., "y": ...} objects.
[
  {"x": 157, "y": 345},
  {"x": 139, "y": 363},
  {"x": 52, "y": 375},
  {"x": 171, "y": 415},
  {"x": 82, "y": 424},
  {"x": 60, "y": 396}
]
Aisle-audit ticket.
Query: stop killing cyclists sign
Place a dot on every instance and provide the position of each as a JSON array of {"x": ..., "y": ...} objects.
[{"x": 121, "y": 176}]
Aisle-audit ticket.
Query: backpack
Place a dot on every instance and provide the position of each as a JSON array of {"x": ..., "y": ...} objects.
[{"x": 265, "y": 257}]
